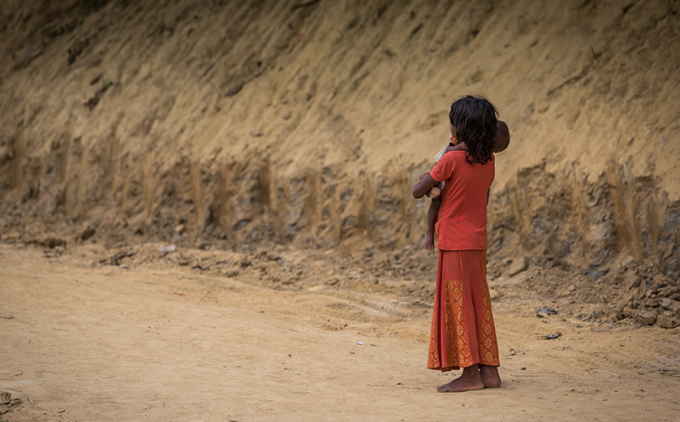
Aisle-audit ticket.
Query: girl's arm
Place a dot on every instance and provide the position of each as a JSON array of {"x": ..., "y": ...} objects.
[{"x": 423, "y": 186}]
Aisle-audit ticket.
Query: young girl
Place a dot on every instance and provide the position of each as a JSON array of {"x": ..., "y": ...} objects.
[
  {"x": 463, "y": 332},
  {"x": 500, "y": 143}
]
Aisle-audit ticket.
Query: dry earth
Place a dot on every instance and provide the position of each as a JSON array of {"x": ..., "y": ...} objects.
[
  {"x": 274, "y": 143},
  {"x": 161, "y": 341},
  {"x": 241, "y": 122}
]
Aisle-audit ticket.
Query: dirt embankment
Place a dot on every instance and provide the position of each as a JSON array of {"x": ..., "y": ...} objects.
[{"x": 235, "y": 124}]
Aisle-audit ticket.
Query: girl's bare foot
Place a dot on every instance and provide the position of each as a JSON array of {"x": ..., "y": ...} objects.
[
  {"x": 429, "y": 241},
  {"x": 470, "y": 380},
  {"x": 489, "y": 376}
]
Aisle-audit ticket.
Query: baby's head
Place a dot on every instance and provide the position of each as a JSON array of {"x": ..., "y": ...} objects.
[{"x": 474, "y": 121}]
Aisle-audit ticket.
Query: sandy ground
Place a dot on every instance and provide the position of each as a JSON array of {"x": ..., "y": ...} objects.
[{"x": 80, "y": 344}]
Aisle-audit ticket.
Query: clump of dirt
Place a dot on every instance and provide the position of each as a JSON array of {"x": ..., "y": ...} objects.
[
  {"x": 629, "y": 293},
  {"x": 8, "y": 402}
]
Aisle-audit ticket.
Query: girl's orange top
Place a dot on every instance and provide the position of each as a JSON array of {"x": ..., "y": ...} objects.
[{"x": 461, "y": 222}]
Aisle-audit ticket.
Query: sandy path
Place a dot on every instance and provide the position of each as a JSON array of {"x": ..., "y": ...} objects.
[{"x": 113, "y": 344}]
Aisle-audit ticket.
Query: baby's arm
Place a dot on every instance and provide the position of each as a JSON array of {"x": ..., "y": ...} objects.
[
  {"x": 459, "y": 147},
  {"x": 431, "y": 220}
]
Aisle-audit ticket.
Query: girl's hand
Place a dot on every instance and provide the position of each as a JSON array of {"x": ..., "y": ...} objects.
[
  {"x": 436, "y": 191},
  {"x": 423, "y": 186}
]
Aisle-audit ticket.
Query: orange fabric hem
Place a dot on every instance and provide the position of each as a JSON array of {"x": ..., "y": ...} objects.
[{"x": 463, "y": 331}]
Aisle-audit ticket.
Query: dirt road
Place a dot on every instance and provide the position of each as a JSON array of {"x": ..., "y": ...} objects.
[{"x": 79, "y": 343}]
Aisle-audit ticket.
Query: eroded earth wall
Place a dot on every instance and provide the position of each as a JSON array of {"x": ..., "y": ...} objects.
[{"x": 241, "y": 122}]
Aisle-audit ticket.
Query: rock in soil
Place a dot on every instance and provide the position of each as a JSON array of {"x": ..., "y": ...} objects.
[
  {"x": 668, "y": 321},
  {"x": 517, "y": 267},
  {"x": 646, "y": 317}
]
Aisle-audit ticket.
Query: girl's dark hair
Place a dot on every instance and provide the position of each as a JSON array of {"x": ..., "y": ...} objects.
[{"x": 475, "y": 120}]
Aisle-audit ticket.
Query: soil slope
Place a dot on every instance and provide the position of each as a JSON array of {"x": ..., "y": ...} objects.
[{"x": 232, "y": 125}]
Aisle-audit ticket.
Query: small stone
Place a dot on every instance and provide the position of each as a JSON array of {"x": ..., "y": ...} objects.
[
  {"x": 595, "y": 315},
  {"x": 669, "y": 304},
  {"x": 493, "y": 294},
  {"x": 87, "y": 232},
  {"x": 506, "y": 261},
  {"x": 261, "y": 251},
  {"x": 651, "y": 303},
  {"x": 595, "y": 273},
  {"x": 517, "y": 267},
  {"x": 571, "y": 288},
  {"x": 273, "y": 256},
  {"x": 289, "y": 281},
  {"x": 12, "y": 237},
  {"x": 233, "y": 273},
  {"x": 661, "y": 279},
  {"x": 646, "y": 317},
  {"x": 668, "y": 291},
  {"x": 668, "y": 321},
  {"x": 180, "y": 228},
  {"x": 631, "y": 280},
  {"x": 51, "y": 242}
]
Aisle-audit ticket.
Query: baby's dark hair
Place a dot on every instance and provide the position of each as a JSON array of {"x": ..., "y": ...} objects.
[{"x": 475, "y": 120}]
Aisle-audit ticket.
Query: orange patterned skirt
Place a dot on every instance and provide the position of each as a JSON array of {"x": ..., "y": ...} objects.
[{"x": 463, "y": 331}]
